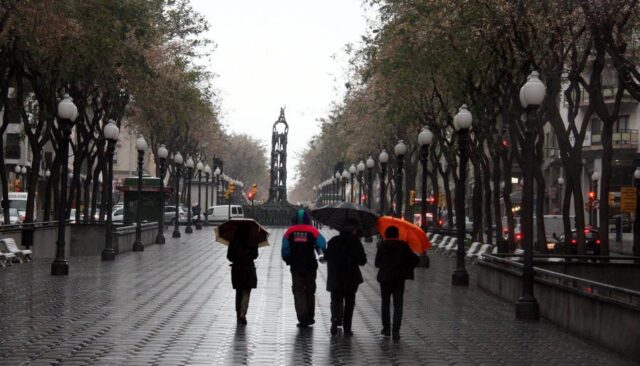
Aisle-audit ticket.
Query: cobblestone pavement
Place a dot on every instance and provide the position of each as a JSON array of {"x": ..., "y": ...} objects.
[{"x": 173, "y": 305}]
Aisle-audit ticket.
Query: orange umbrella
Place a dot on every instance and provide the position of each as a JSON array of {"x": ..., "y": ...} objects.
[{"x": 412, "y": 234}]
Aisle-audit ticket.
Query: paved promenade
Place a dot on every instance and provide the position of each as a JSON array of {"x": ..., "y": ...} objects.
[{"x": 173, "y": 305}]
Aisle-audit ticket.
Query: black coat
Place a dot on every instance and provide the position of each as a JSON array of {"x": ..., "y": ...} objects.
[
  {"x": 243, "y": 270},
  {"x": 395, "y": 260},
  {"x": 344, "y": 255}
]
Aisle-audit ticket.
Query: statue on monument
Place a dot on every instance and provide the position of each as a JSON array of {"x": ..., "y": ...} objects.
[{"x": 278, "y": 171}]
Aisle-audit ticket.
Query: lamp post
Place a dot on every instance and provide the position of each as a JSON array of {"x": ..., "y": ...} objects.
[
  {"x": 177, "y": 160},
  {"x": 18, "y": 170},
  {"x": 141, "y": 146},
  {"x": 163, "y": 153},
  {"x": 595, "y": 177},
  {"x": 23, "y": 181},
  {"x": 345, "y": 177},
  {"x": 67, "y": 113},
  {"x": 383, "y": 158},
  {"x": 338, "y": 180},
  {"x": 532, "y": 94},
  {"x": 461, "y": 122},
  {"x": 561, "y": 184},
  {"x": 216, "y": 175},
  {"x": 425, "y": 137},
  {"x": 189, "y": 164},
  {"x": 207, "y": 174},
  {"x": 352, "y": 175},
  {"x": 369, "y": 164},
  {"x": 200, "y": 168},
  {"x": 400, "y": 149},
  {"x": 361, "y": 168},
  {"x": 111, "y": 133},
  {"x": 636, "y": 221}
]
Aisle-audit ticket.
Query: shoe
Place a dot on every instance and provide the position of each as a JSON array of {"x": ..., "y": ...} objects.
[
  {"x": 348, "y": 333},
  {"x": 334, "y": 329},
  {"x": 310, "y": 322},
  {"x": 396, "y": 336},
  {"x": 302, "y": 325},
  {"x": 242, "y": 320},
  {"x": 386, "y": 332}
]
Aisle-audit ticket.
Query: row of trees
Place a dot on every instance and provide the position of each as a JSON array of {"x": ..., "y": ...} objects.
[
  {"x": 134, "y": 62},
  {"x": 423, "y": 59}
]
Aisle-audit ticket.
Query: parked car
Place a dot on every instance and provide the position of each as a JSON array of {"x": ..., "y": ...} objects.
[
  {"x": 592, "y": 242},
  {"x": 170, "y": 215},
  {"x": 117, "y": 215},
  {"x": 626, "y": 222}
]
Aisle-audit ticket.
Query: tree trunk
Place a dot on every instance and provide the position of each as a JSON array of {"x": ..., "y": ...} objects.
[
  {"x": 605, "y": 186},
  {"x": 496, "y": 196},
  {"x": 476, "y": 204},
  {"x": 506, "y": 195},
  {"x": 488, "y": 221}
]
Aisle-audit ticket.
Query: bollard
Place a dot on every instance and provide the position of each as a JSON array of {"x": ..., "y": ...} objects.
[{"x": 619, "y": 228}]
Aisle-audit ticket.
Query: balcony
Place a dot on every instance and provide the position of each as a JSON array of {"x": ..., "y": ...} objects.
[{"x": 620, "y": 138}]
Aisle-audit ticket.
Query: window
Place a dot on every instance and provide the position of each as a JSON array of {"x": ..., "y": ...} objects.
[
  {"x": 596, "y": 126},
  {"x": 234, "y": 210},
  {"x": 240, "y": 210},
  {"x": 117, "y": 212},
  {"x": 12, "y": 146},
  {"x": 621, "y": 124}
]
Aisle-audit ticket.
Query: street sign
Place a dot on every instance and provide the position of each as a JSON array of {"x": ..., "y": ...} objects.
[{"x": 627, "y": 199}]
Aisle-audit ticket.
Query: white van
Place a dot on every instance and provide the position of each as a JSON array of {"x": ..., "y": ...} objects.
[
  {"x": 221, "y": 213},
  {"x": 18, "y": 200}
]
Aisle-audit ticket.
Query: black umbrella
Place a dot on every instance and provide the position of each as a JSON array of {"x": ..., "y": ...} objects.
[{"x": 335, "y": 215}]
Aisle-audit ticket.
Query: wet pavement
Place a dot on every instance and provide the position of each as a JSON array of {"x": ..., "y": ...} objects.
[{"x": 173, "y": 305}]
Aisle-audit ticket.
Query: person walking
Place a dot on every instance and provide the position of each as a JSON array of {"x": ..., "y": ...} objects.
[
  {"x": 242, "y": 253},
  {"x": 396, "y": 262},
  {"x": 299, "y": 245},
  {"x": 344, "y": 255}
]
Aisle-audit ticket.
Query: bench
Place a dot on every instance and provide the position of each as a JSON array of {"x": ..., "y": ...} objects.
[
  {"x": 475, "y": 246},
  {"x": 483, "y": 249},
  {"x": 452, "y": 246},
  {"x": 11, "y": 247},
  {"x": 7, "y": 259},
  {"x": 443, "y": 243}
]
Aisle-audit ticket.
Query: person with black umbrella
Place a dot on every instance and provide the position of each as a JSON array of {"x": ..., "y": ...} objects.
[
  {"x": 242, "y": 252},
  {"x": 344, "y": 255}
]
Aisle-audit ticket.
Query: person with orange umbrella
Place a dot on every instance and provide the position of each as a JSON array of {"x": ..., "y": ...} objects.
[{"x": 396, "y": 262}]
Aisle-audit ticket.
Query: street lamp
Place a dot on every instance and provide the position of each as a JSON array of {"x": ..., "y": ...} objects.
[
  {"x": 595, "y": 177},
  {"x": 207, "y": 174},
  {"x": 18, "y": 170},
  {"x": 532, "y": 94},
  {"x": 383, "y": 158},
  {"x": 199, "y": 168},
  {"x": 177, "y": 160},
  {"x": 425, "y": 137},
  {"x": 461, "y": 122},
  {"x": 67, "y": 113},
  {"x": 361, "y": 168},
  {"x": 636, "y": 221},
  {"x": 400, "y": 149},
  {"x": 337, "y": 180},
  {"x": 216, "y": 174},
  {"x": 141, "y": 146},
  {"x": 189, "y": 164},
  {"x": 369, "y": 164},
  {"x": 111, "y": 134},
  {"x": 561, "y": 184},
  {"x": 23, "y": 181},
  {"x": 352, "y": 175},
  {"x": 163, "y": 153},
  {"x": 345, "y": 177}
]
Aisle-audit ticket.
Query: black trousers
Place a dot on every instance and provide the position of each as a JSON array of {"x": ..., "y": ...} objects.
[
  {"x": 342, "y": 305},
  {"x": 387, "y": 290},
  {"x": 304, "y": 290}
]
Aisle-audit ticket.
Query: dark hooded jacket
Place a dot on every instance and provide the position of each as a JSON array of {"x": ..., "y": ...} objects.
[
  {"x": 243, "y": 270},
  {"x": 344, "y": 256},
  {"x": 395, "y": 260}
]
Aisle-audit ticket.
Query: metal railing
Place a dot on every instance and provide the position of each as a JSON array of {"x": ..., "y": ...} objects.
[{"x": 587, "y": 287}]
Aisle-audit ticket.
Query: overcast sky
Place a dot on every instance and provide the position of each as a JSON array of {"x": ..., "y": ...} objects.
[{"x": 280, "y": 53}]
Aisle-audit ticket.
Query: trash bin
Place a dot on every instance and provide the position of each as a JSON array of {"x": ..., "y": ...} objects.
[{"x": 503, "y": 246}]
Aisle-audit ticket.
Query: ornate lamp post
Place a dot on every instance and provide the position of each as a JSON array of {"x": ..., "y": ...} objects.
[
  {"x": 207, "y": 174},
  {"x": 163, "y": 153},
  {"x": 216, "y": 175},
  {"x": 177, "y": 160},
  {"x": 400, "y": 149},
  {"x": 141, "y": 146},
  {"x": 189, "y": 164},
  {"x": 345, "y": 177},
  {"x": 352, "y": 175},
  {"x": 383, "y": 158},
  {"x": 425, "y": 137},
  {"x": 370, "y": 164},
  {"x": 67, "y": 113},
  {"x": 23, "y": 181},
  {"x": 636, "y": 221},
  {"x": 111, "y": 133},
  {"x": 532, "y": 94},
  {"x": 462, "y": 123},
  {"x": 18, "y": 170},
  {"x": 361, "y": 168},
  {"x": 561, "y": 184},
  {"x": 337, "y": 180},
  {"x": 595, "y": 177},
  {"x": 199, "y": 167}
]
